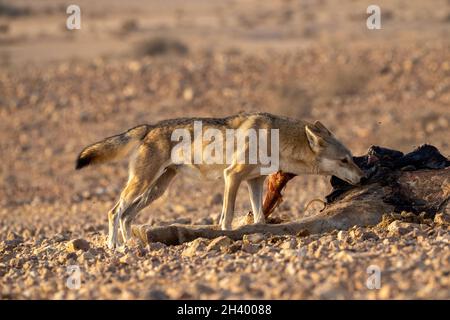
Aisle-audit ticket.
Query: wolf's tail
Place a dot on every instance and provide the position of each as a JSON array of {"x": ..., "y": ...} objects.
[{"x": 111, "y": 148}]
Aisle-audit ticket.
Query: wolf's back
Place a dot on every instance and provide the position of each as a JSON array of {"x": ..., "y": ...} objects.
[{"x": 111, "y": 148}]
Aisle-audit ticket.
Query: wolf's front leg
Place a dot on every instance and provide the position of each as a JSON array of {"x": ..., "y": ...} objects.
[
  {"x": 255, "y": 189},
  {"x": 232, "y": 182}
]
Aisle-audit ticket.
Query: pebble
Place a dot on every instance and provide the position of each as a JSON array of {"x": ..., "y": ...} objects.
[
  {"x": 250, "y": 247},
  {"x": 254, "y": 238},
  {"x": 442, "y": 219},
  {"x": 77, "y": 244},
  {"x": 194, "y": 247},
  {"x": 399, "y": 228},
  {"x": 342, "y": 235},
  {"x": 219, "y": 243},
  {"x": 156, "y": 294}
]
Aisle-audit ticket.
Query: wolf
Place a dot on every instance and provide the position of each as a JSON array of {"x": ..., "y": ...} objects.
[{"x": 304, "y": 148}]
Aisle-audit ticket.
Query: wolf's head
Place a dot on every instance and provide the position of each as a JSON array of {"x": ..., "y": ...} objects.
[{"x": 332, "y": 157}]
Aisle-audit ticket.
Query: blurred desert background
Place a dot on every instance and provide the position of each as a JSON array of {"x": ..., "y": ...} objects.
[{"x": 138, "y": 62}]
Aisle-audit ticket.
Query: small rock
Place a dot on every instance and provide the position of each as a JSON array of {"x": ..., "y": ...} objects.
[
  {"x": 219, "y": 243},
  {"x": 342, "y": 235},
  {"x": 77, "y": 244},
  {"x": 244, "y": 280},
  {"x": 250, "y": 247},
  {"x": 243, "y": 220},
  {"x": 291, "y": 269},
  {"x": 203, "y": 288},
  {"x": 155, "y": 246},
  {"x": 369, "y": 235},
  {"x": 333, "y": 245},
  {"x": 290, "y": 253},
  {"x": 27, "y": 233},
  {"x": 12, "y": 236},
  {"x": 291, "y": 244},
  {"x": 29, "y": 282},
  {"x": 12, "y": 240},
  {"x": 320, "y": 251},
  {"x": 398, "y": 228},
  {"x": 302, "y": 252},
  {"x": 60, "y": 238},
  {"x": 442, "y": 219},
  {"x": 11, "y": 244},
  {"x": 303, "y": 233},
  {"x": 194, "y": 247},
  {"x": 16, "y": 263},
  {"x": 253, "y": 238},
  {"x": 156, "y": 294},
  {"x": 126, "y": 259},
  {"x": 88, "y": 256},
  {"x": 69, "y": 256}
]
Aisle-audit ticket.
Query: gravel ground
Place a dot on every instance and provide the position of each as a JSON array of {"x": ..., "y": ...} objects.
[
  {"x": 52, "y": 217},
  {"x": 413, "y": 261}
]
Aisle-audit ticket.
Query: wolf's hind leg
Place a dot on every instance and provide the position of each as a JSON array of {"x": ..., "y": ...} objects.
[
  {"x": 135, "y": 187},
  {"x": 146, "y": 167},
  {"x": 113, "y": 224},
  {"x": 151, "y": 194},
  {"x": 255, "y": 188}
]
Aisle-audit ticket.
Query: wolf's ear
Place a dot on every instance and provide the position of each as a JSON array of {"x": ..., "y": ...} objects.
[
  {"x": 322, "y": 128},
  {"x": 316, "y": 142}
]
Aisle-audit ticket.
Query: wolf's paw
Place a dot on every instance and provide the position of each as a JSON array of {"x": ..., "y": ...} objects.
[
  {"x": 261, "y": 220},
  {"x": 113, "y": 243}
]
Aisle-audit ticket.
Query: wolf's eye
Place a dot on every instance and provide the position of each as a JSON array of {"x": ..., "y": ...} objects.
[{"x": 344, "y": 161}]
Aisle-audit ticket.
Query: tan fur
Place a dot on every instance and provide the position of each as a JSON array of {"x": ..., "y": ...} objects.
[
  {"x": 304, "y": 148},
  {"x": 111, "y": 148}
]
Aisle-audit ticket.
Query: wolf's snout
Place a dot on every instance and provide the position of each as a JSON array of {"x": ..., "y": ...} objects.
[
  {"x": 359, "y": 177},
  {"x": 355, "y": 181}
]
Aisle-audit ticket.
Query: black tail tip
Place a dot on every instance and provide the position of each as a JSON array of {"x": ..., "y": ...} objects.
[{"x": 82, "y": 162}]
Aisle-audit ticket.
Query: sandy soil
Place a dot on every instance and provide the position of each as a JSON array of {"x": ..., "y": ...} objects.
[{"x": 61, "y": 90}]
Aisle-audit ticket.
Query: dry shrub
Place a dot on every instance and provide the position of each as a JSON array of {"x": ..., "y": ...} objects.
[{"x": 161, "y": 46}]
